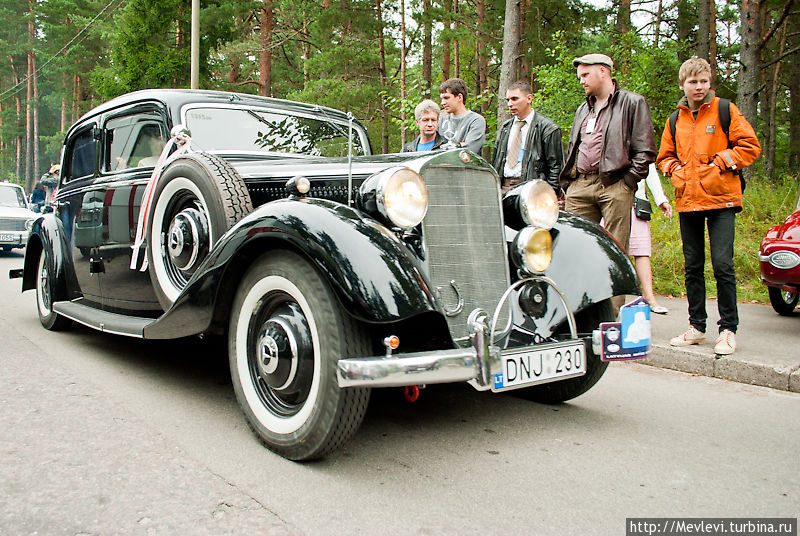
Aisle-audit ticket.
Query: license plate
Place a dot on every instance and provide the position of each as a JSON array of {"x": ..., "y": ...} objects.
[
  {"x": 540, "y": 364},
  {"x": 7, "y": 237}
]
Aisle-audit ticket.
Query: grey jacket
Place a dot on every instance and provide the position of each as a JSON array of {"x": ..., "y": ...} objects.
[
  {"x": 628, "y": 144},
  {"x": 544, "y": 156}
]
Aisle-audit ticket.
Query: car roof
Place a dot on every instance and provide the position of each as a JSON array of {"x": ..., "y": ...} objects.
[{"x": 175, "y": 99}]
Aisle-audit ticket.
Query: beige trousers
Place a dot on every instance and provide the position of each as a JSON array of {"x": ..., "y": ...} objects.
[{"x": 587, "y": 197}]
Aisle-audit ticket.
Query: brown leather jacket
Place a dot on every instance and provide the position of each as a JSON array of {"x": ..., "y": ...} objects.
[{"x": 628, "y": 151}]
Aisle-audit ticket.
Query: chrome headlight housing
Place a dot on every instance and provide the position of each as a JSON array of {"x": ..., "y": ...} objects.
[
  {"x": 29, "y": 224},
  {"x": 532, "y": 249},
  {"x": 398, "y": 194},
  {"x": 538, "y": 204}
]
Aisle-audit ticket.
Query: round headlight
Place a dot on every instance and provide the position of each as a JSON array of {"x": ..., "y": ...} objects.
[
  {"x": 538, "y": 204},
  {"x": 403, "y": 198},
  {"x": 29, "y": 224},
  {"x": 534, "y": 248}
]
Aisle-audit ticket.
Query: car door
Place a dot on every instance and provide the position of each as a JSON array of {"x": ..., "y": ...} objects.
[
  {"x": 133, "y": 138},
  {"x": 79, "y": 200}
]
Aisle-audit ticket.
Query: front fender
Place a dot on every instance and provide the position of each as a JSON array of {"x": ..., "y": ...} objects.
[
  {"x": 588, "y": 267},
  {"x": 48, "y": 234},
  {"x": 372, "y": 272}
]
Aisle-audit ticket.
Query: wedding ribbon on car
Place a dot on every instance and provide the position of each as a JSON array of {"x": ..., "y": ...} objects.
[{"x": 181, "y": 143}]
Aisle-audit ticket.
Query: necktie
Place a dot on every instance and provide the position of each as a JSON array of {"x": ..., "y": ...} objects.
[{"x": 516, "y": 144}]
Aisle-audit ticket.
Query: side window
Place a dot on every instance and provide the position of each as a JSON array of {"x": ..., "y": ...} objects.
[
  {"x": 83, "y": 155},
  {"x": 134, "y": 140}
]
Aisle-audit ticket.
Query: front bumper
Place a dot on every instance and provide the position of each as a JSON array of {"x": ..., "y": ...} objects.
[{"x": 477, "y": 363}]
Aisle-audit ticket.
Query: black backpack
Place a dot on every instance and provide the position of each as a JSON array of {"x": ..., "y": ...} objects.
[{"x": 724, "y": 118}]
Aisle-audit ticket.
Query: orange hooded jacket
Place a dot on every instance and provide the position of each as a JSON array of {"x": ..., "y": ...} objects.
[{"x": 702, "y": 167}]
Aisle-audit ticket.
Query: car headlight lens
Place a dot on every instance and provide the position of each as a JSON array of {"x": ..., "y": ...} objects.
[
  {"x": 403, "y": 198},
  {"x": 538, "y": 204},
  {"x": 29, "y": 224},
  {"x": 534, "y": 249}
]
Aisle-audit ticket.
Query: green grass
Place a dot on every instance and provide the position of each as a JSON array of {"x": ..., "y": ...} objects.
[{"x": 765, "y": 204}]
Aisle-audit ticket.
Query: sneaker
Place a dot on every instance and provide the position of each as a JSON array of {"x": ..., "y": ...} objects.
[
  {"x": 688, "y": 337},
  {"x": 726, "y": 343}
]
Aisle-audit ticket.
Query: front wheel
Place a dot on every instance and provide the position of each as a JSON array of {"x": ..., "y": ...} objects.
[
  {"x": 286, "y": 333},
  {"x": 560, "y": 391},
  {"x": 783, "y": 301},
  {"x": 44, "y": 297}
]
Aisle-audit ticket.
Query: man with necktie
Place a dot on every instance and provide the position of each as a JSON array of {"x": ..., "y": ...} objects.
[{"x": 528, "y": 145}]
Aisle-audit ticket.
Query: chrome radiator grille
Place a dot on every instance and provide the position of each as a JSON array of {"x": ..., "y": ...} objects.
[
  {"x": 12, "y": 224},
  {"x": 464, "y": 236}
]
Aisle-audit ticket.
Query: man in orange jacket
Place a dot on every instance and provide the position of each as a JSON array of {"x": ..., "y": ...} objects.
[{"x": 703, "y": 162}]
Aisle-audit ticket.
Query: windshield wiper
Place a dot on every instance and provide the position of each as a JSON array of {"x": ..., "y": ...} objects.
[{"x": 260, "y": 119}]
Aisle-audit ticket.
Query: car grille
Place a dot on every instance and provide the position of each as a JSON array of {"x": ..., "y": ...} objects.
[
  {"x": 464, "y": 236},
  {"x": 12, "y": 224}
]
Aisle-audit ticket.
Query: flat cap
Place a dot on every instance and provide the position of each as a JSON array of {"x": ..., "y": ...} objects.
[{"x": 594, "y": 59}]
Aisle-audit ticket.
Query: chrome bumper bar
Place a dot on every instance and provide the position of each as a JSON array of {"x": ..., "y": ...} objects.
[
  {"x": 477, "y": 363},
  {"x": 421, "y": 368}
]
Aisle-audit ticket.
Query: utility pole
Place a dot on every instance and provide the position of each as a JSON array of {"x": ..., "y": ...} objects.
[{"x": 195, "y": 52}]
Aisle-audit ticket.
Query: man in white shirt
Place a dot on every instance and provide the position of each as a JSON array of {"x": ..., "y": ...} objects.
[{"x": 528, "y": 145}]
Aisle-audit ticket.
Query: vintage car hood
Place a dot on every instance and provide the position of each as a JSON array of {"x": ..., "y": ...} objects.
[
  {"x": 17, "y": 213},
  {"x": 314, "y": 167}
]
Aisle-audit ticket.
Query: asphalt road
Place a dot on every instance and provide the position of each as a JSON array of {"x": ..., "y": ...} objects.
[{"x": 108, "y": 435}]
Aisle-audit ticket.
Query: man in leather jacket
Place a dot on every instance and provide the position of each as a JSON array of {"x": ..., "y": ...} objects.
[
  {"x": 538, "y": 142},
  {"x": 611, "y": 147},
  {"x": 426, "y": 115}
]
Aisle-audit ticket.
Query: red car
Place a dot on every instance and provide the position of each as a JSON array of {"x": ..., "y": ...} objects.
[{"x": 779, "y": 257}]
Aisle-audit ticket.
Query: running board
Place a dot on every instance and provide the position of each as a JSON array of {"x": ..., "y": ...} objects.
[{"x": 130, "y": 326}]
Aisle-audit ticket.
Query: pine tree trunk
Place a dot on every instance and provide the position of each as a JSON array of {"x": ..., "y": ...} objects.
[
  {"x": 36, "y": 163},
  {"x": 456, "y": 47},
  {"x": 402, "y": 72},
  {"x": 684, "y": 27},
  {"x": 508, "y": 71},
  {"x": 703, "y": 37},
  {"x": 794, "y": 100},
  {"x": 382, "y": 69},
  {"x": 306, "y": 50},
  {"x": 480, "y": 51},
  {"x": 769, "y": 166},
  {"x": 747, "y": 95},
  {"x": 623, "y": 21},
  {"x": 265, "y": 55},
  {"x": 427, "y": 46},
  {"x": 448, "y": 6},
  {"x": 657, "y": 23},
  {"x": 712, "y": 43},
  {"x": 29, "y": 107}
]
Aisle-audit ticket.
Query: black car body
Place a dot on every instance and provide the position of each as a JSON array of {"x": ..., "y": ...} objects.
[{"x": 330, "y": 270}]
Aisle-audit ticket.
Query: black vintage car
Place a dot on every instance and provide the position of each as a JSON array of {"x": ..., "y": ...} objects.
[{"x": 329, "y": 270}]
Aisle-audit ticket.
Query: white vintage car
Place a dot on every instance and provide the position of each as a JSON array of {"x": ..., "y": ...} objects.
[{"x": 16, "y": 217}]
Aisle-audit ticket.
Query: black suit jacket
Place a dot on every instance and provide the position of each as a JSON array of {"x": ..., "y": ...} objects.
[{"x": 544, "y": 155}]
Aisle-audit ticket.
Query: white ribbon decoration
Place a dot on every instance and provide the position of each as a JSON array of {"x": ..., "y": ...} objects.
[{"x": 182, "y": 142}]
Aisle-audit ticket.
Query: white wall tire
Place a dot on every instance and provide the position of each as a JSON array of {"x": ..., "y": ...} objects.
[
  {"x": 196, "y": 200},
  {"x": 44, "y": 296},
  {"x": 290, "y": 395}
]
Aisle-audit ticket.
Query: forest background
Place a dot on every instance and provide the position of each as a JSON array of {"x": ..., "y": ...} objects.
[{"x": 378, "y": 59}]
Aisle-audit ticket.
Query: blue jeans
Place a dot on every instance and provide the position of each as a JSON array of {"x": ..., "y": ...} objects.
[{"x": 721, "y": 230}]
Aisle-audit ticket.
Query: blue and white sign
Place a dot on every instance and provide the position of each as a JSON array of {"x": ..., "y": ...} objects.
[{"x": 630, "y": 337}]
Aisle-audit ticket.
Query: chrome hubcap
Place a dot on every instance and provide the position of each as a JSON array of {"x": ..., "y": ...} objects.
[
  {"x": 187, "y": 239},
  {"x": 282, "y": 361}
]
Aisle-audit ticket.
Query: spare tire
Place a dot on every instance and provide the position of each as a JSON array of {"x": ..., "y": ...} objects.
[{"x": 197, "y": 199}]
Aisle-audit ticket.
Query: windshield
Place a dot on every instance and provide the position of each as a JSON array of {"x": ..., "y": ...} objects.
[
  {"x": 12, "y": 197},
  {"x": 255, "y": 130}
]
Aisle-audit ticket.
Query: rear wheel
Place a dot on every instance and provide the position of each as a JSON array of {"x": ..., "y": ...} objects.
[
  {"x": 783, "y": 301},
  {"x": 286, "y": 333},
  {"x": 196, "y": 200},
  {"x": 44, "y": 296},
  {"x": 561, "y": 391}
]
